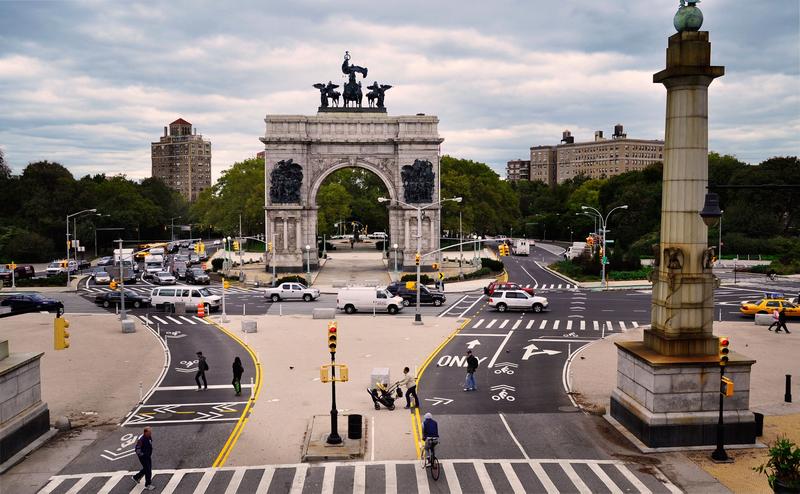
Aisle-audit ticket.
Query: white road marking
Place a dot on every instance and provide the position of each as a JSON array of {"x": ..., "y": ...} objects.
[
  {"x": 583, "y": 325},
  {"x": 595, "y": 326},
  {"x": 359, "y": 477},
  {"x": 516, "y": 324},
  {"x": 555, "y": 324},
  {"x": 499, "y": 349},
  {"x": 177, "y": 321},
  {"x": 266, "y": 479},
  {"x": 544, "y": 478},
  {"x": 609, "y": 326},
  {"x": 173, "y": 483},
  {"x": 471, "y": 306},
  {"x": 205, "y": 481},
  {"x": 478, "y": 324},
  {"x": 635, "y": 324},
  {"x": 422, "y": 480},
  {"x": 483, "y": 477},
  {"x": 530, "y": 323},
  {"x": 521, "y": 449},
  {"x": 511, "y": 476},
  {"x": 491, "y": 323},
  {"x": 543, "y": 325},
  {"x": 573, "y": 476},
  {"x": 503, "y": 324},
  {"x": 160, "y": 320},
  {"x": 601, "y": 474},
  {"x": 452, "y": 478},
  {"x": 391, "y": 479},
  {"x": 569, "y": 325},
  {"x": 233, "y": 486},
  {"x": 327, "y": 479},
  {"x": 630, "y": 477},
  {"x": 622, "y": 326},
  {"x": 187, "y": 319},
  {"x": 299, "y": 479}
]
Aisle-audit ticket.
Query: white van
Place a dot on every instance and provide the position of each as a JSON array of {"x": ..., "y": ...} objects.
[
  {"x": 190, "y": 295},
  {"x": 367, "y": 299}
]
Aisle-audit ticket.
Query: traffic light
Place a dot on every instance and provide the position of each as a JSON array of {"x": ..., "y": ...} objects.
[
  {"x": 269, "y": 247},
  {"x": 112, "y": 284},
  {"x": 236, "y": 245},
  {"x": 435, "y": 266},
  {"x": 60, "y": 333},
  {"x": 417, "y": 258},
  {"x": 226, "y": 284},
  {"x": 202, "y": 246},
  {"x": 332, "y": 336},
  {"x": 723, "y": 350},
  {"x": 503, "y": 249},
  {"x": 726, "y": 387},
  {"x": 197, "y": 248}
]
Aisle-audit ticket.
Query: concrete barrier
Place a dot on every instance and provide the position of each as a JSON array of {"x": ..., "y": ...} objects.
[
  {"x": 764, "y": 319},
  {"x": 249, "y": 326},
  {"x": 327, "y": 313}
]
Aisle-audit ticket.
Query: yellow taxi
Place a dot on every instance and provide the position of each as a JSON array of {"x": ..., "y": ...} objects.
[{"x": 767, "y": 305}]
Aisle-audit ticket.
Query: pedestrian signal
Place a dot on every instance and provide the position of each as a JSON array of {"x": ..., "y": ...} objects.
[
  {"x": 726, "y": 387},
  {"x": 417, "y": 258},
  {"x": 236, "y": 245},
  {"x": 332, "y": 336},
  {"x": 112, "y": 285},
  {"x": 226, "y": 284},
  {"x": 269, "y": 247},
  {"x": 723, "y": 350},
  {"x": 60, "y": 333}
]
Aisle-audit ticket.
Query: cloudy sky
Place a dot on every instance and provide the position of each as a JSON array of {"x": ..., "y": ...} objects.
[{"x": 90, "y": 84}]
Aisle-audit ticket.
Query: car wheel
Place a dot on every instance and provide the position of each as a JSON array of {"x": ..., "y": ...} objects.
[
  {"x": 501, "y": 307},
  {"x": 106, "y": 304},
  {"x": 437, "y": 302},
  {"x": 275, "y": 298},
  {"x": 392, "y": 309},
  {"x": 307, "y": 297},
  {"x": 349, "y": 309},
  {"x": 406, "y": 302},
  {"x": 137, "y": 304},
  {"x": 537, "y": 308}
]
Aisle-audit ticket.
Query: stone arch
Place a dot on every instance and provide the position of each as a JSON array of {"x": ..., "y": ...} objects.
[{"x": 317, "y": 181}]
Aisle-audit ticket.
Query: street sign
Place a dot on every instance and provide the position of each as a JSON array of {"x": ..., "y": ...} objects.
[
  {"x": 605, "y": 260},
  {"x": 441, "y": 276}
]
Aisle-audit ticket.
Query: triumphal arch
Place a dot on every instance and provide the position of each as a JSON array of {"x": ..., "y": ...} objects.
[{"x": 301, "y": 151}]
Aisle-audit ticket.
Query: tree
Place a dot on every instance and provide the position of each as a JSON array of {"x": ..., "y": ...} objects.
[
  {"x": 351, "y": 194},
  {"x": 334, "y": 202},
  {"x": 5, "y": 171}
]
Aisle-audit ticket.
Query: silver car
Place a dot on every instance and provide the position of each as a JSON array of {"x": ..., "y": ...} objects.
[
  {"x": 102, "y": 278},
  {"x": 163, "y": 278}
]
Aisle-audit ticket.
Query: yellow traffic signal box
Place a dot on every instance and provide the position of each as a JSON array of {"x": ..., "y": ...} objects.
[
  {"x": 60, "y": 333},
  {"x": 417, "y": 258},
  {"x": 333, "y": 329},
  {"x": 724, "y": 342},
  {"x": 726, "y": 387}
]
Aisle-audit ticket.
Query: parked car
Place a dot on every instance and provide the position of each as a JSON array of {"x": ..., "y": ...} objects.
[
  {"x": 163, "y": 278},
  {"x": 101, "y": 278},
  {"x": 132, "y": 299},
  {"x": 197, "y": 276},
  {"x": 355, "y": 298},
  {"x": 767, "y": 305},
  {"x": 32, "y": 302},
  {"x": 495, "y": 285},
  {"x": 504, "y": 300},
  {"x": 189, "y": 295},
  {"x": 291, "y": 291},
  {"x": 21, "y": 271},
  {"x": 105, "y": 261},
  {"x": 409, "y": 295}
]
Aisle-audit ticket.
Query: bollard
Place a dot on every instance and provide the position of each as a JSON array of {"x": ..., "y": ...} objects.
[
  {"x": 569, "y": 350},
  {"x": 720, "y": 315},
  {"x": 280, "y": 309},
  {"x": 604, "y": 331},
  {"x": 244, "y": 310},
  {"x": 787, "y": 397}
]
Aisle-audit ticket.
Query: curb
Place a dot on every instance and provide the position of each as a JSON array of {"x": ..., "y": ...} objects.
[{"x": 559, "y": 275}]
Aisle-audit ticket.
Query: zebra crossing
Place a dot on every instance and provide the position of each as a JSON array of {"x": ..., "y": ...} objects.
[
  {"x": 153, "y": 319},
  {"x": 554, "y": 324},
  {"x": 145, "y": 290},
  {"x": 457, "y": 476},
  {"x": 552, "y": 286}
]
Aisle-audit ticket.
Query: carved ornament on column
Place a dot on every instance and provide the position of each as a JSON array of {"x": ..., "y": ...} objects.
[
  {"x": 287, "y": 178},
  {"x": 418, "y": 182}
]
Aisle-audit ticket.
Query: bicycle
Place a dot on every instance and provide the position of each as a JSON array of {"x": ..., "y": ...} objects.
[{"x": 431, "y": 461}]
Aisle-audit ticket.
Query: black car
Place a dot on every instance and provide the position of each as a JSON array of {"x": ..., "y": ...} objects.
[
  {"x": 197, "y": 276},
  {"x": 21, "y": 271},
  {"x": 32, "y": 302},
  {"x": 426, "y": 295},
  {"x": 132, "y": 299}
]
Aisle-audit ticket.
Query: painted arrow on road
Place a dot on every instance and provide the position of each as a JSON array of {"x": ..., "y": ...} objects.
[
  {"x": 439, "y": 401},
  {"x": 472, "y": 344},
  {"x": 530, "y": 351}
]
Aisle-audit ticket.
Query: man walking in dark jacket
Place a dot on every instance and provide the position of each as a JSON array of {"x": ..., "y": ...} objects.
[
  {"x": 782, "y": 321},
  {"x": 472, "y": 366},
  {"x": 144, "y": 450},
  {"x": 202, "y": 367}
]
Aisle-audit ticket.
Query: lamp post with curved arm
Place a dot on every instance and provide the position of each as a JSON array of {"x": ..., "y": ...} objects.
[
  {"x": 603, "y": 223},
  {"x": 68, "y": 242},
  {"x": 417, "y": 315}
]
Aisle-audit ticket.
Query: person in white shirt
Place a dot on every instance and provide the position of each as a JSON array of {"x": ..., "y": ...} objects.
[{"x": 410, "y": 383}]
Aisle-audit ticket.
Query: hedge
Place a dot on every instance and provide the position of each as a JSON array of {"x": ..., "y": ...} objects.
[{"x": 55, "y": 280}]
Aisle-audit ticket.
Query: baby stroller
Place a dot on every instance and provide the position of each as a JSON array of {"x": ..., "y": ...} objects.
[{"x": 384, "y": 395}]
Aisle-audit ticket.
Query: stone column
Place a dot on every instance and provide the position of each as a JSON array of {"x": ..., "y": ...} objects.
[{"x": 285, "y": 234}]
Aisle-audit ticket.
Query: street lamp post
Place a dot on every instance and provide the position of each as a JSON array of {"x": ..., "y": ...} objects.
[
  {"x": 719, "y": 248},
  {"x": 603, "y": 225},
  {"x": 308, "y": 263},
  {"x": 396, "y": 274},
  {"x": 460, "y": 248},
  {"x": 68, "y": 243},
  {"x": 417, "y": 314},
  {"x": 172, "y": 227},
  {"x": 122, "y": 315}
]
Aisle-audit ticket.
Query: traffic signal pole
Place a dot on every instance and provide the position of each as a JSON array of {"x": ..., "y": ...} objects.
[
  {"x": 334, "y": 437},
  {"x": 122, "y": 315}
]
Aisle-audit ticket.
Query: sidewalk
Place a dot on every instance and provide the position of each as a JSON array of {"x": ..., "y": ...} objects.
[
  {"x": 95, "y": 382},
  {"x": 292, "y": 349},
  {"x": 593, "y": 376}
]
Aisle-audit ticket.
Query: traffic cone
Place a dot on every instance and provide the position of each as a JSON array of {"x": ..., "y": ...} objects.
[{"x": 201, "y": 310}]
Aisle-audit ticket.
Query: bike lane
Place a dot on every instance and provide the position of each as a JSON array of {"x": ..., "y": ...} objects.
[{"x": 191, "y": 429}]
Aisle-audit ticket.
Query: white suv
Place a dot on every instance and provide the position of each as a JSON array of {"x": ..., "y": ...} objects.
[{"x": 517, "y": 299}]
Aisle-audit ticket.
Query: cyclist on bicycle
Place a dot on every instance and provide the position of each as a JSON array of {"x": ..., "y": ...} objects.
[{"x": 430, "y": 434}]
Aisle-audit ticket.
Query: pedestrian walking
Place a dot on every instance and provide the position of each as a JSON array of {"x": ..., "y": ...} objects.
[
  {"x": 782, "y": 321},
  {"x": 238, "y": 370},
  {"x": 410, "y": 383},
  {"x": 144, "y": 451},
  {"x": 776, "y": 317},
  {"x": 472, "y": 366},
  {"x": 202, "y": 367}
]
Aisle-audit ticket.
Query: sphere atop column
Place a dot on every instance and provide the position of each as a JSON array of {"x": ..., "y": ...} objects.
[{"x": 688, "y": 17}]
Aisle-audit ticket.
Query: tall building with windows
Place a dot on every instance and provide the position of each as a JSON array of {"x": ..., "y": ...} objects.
[
  {"x": 599, "y": 158},
  {"x": 518, "y": 169},
  {"x": 182, "y": 159}
]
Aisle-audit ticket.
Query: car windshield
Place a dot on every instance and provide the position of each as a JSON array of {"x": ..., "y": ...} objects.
[
  {"x": 205, "y": 292},
  {"x": 35, "y": 296},
  {"x": 54, "y": 265},
  {"x": 198, "y": 272},
  {"x": 4, "y": 269},
  {"x": 101, "y": 273}
]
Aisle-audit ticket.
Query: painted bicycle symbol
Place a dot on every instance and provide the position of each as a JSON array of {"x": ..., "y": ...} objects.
[
  {"x": 505, "y": 368},
  {"x": 570, "y": 335},
  {"x": 504, "y": 392},
  {"x": 188, "y": 363}
]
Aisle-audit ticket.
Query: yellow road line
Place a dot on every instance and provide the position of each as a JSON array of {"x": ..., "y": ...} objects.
[
  {"x": 237, "y": 430},
  {"x": 416, "y": 423}
]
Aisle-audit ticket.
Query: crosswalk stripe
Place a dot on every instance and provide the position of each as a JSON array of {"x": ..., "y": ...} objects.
[
  {"x": 595, "y": 326},
  {"x": 544, "y": 478},
  {"x": 483, "y": 477},
  {"x": 555, "y": 325},
  {"x": 512, "y": 478},
  {"x": 235, "y": 481},
  {"x": 635, "y": 324},
  {"x": 610, "y": 485},
  {"x": 543, "y": 325},
  {"x": 478, "y": 324},
  {"x": 76, "y": 488},
  {"x": 503, "y": 324},
  {"x": 516, "y": 324},
  {"x": 583, "y": 325},
  {"x": 421, "y": 475},
  {"x": 299, "y": 479},
  {"x": 145, "y": 320},
  {"x": 187, "y": 319},
  {"x": 205, "y": 481},
  {"x": 110, "y": 483},
  {"x": 569, "y": 325},
  {"x": 391, "y": 479},
  {"x": 559, "y": 286},
  {"x": 573, "y": 476},
  {"x": 160, "y": 320},
  {"x": 173, "y": 483},
  {"x": 609, "y": 326},
  {"x": 176, "y": 321},
  {"x": 360, "y": 479},
  {"x": 327, "y": 479},
  {"x": 630, "y": 477},
  {"x": 452, "y": 479},
  {"x": 491, "y": 323},
  {"x": 202, "y": 320},
  {"x": 266, "y": 479},
  {"x": 530, "y": 324},
  {"x": 622, "y": 326}
]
